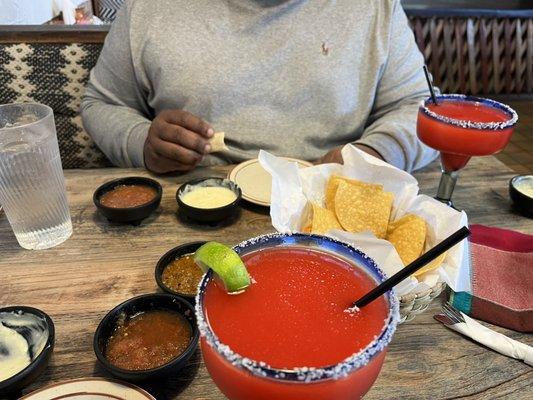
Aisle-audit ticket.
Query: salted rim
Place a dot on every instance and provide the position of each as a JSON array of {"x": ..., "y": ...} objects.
[
  {"x": 493, "y": 126},
  {"x": 301, "y": 374}
]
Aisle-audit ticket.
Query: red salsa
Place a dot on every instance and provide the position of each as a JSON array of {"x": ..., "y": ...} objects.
[
  {"x": 127, "y": 196},
  {"x": 148, "y": 340}
]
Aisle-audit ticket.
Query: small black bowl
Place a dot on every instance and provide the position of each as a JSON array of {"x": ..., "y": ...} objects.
[
  {"x": 521, "y": 201},
  {"x": 170, "y": 256},
  {"x": 17, "y": 382},
  {"x": 131, "y": 215},
  {"x": 146, "y": 302},
  {"x": 209, "y": 215}
]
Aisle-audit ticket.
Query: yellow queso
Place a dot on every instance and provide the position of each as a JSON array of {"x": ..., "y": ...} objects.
[{"x": 209, "y": 197}]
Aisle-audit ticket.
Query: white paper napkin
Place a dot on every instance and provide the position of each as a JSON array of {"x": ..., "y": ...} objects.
[
  {"x": 495, "y": 340},
  {"x": 293, "y": 188}
]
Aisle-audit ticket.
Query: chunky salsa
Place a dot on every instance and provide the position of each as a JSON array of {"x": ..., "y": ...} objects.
[
  {"x": 148, "y": 340},
  {"x": 183, "y": 275},
  {"x": 127, "y": 196}
]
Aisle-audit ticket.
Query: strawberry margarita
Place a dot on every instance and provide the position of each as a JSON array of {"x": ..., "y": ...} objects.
[
  {"x": 289, "y": 335},
  {"x": 460, "y": 127}
]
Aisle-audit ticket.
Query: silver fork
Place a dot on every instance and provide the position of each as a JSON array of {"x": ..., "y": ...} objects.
[
  {"x": 452, "y": 313},
  {"x": 449, "y": 315}
]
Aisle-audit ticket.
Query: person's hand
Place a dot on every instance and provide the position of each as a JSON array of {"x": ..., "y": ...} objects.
[
  {"x": 177, "y": 141},
  {"x": 335, "y": 155},
  {"x": 332, "y": 156}
]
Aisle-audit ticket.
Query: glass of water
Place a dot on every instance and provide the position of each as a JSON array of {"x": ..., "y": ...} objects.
[{"x": 32, "y": 186}]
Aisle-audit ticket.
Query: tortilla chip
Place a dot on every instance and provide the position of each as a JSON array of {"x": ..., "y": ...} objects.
[
  {"x": 360, "y": 207},
  {"x": 323, "y": 220},
  {"x": 431, "y": 266},
  {"x": 217, "y": 142},
  {"x": 408, "y": 235},
  {"x": 333, "y": 184},
  {"x": 331, "y": 191},
  {"x": 306, "y": 225}
]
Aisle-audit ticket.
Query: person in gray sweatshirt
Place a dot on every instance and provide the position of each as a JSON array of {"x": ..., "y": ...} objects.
[{"x": 298, "y": 78}]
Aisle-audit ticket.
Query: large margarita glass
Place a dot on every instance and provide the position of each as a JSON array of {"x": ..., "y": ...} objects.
[
  {"x": 460, "y": 127},
  {"x": 281, "y": 318}
]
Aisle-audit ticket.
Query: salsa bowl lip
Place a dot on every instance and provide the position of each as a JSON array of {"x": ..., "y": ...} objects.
[
  {"x": 164, "y": 261},
  {"x": 128, "y": 214},
  {"x": 209, "y": 214},
  {"x": 16, "y": 382},
  {"x": 484, "y": 126},
  {"x": 302, "y": 374},
  {"x": 521, "y": 201},
  {"x": 171, "y": 366}
]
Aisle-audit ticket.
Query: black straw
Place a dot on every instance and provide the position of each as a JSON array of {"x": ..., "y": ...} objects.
[
  {"x": 430, "y": 85},
  {"x": 425, "y": 258}
]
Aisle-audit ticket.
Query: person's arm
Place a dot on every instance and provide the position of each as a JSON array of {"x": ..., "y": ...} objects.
[
  {"x": 335, "y": 155},
  {"x": 113, "y": 109},
  {"x": 119, "y": 119},
  {"x": 391, "y": 129}
]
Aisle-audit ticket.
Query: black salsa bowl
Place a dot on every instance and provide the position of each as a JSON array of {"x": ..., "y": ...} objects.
[
  {"x": 167, "y": 258},
  {"x": 209, "y": 215},
  {"x": 129, "y": 215},
  {"x": 522, "y": 202},
  {"x": 143, "y": 303},
  {"x": 14, "y": 384}
]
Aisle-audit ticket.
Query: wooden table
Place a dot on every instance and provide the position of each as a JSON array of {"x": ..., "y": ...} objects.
[{"x": 103, "y": 264}]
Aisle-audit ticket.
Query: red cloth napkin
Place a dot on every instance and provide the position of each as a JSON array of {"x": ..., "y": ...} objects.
[{"x": 502, "y": 278}]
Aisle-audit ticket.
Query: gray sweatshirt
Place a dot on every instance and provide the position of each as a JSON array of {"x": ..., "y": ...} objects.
[{"x": 295, "y": 77}]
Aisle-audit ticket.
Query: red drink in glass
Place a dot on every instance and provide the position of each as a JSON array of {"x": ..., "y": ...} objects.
[
  {"x": 288, "y": 336},
  {"x": 461, "y": 127}
]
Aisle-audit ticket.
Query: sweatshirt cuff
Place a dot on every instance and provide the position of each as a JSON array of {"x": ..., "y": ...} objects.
[
  {"x": 387, "y": 147},
  {"x": 135, "y": 145}
]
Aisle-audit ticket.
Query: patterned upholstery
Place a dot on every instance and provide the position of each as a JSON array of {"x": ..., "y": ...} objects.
[
  {"x": 107, "y": 9},
  {"x": 56, "y": 75}
]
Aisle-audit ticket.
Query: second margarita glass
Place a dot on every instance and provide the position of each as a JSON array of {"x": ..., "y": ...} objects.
[{"x": 460, "y": 127}]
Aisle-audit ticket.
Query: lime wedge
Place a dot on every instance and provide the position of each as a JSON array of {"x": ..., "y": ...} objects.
[{"x": 226, "y": 263}]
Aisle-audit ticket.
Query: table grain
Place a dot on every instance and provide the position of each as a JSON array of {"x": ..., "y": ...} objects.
[{"x": 103, "y": 264}]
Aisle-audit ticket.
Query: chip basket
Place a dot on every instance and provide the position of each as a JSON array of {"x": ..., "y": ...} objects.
[{"x": 413, "y": 304}]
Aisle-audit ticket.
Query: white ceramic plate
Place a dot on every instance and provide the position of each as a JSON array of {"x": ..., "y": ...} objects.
[
  {"x": 255, "y": 182},
  {"x": 90, "y": 389}
]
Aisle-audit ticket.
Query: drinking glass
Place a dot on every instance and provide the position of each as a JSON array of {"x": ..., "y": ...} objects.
[
  {"x": 241, "y": 378},
  {"x": 460, "y": 127},
  {"x": 32, "y": 186}
]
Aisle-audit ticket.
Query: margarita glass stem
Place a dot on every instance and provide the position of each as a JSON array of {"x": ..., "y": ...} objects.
[{"x": 446, "y": 186}]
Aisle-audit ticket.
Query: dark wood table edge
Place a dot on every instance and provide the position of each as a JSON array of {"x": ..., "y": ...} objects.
[{"x": 53, "y": 33}]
